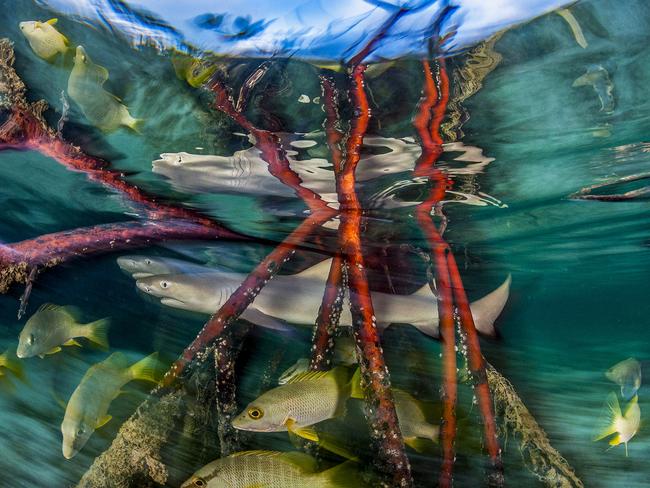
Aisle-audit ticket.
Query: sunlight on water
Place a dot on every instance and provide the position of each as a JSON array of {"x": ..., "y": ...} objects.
[{"x": 177, "y": 209}]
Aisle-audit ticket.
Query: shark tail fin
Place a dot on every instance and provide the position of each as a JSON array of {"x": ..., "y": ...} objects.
[
  {"x": 487, "y": 309},
  {"x": 146, "y": 369},
  {"x": 98, "y": 333}
]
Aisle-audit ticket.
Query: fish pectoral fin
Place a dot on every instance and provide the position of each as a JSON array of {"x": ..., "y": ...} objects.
[
  {"x": 305, "y": 432},
  {"x": 52, "y": 21},
  {"x": 72, "y": 342},
  {"x": 54, "y": 350},
  {"x": 355, "y": 385},
  {"x": 103, "y": 421},
  {"x": 615, "y": 441}
]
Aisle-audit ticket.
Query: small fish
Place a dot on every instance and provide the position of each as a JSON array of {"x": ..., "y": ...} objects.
[
  {"x": 87, "y": 408},
  {"x": 624, "y": 425},
  {"x": 412, "y": 420},
  {"x": 193, "y": 70},
  {"x": 268, "y": 469},
  {"x": 626, "y": 374},
  {"x": 103, "y": 109},
  {"x": 308, "y": 398},
  {"x": 9, "y": 362},
  {"x": 44, "y": 39},
  {"x": 598, "y": 77},
  {"x": 145, "y": 266},
  {"x": 53, "y": 326}
]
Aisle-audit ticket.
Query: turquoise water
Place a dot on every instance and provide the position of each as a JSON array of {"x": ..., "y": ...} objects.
[{"x": 578, "y": 303}]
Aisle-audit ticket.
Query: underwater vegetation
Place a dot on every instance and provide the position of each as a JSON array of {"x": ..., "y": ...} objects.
[{"x": 319, "y": 228}]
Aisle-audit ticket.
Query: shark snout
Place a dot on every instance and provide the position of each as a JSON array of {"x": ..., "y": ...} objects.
[{"x": 144, "y": 287}]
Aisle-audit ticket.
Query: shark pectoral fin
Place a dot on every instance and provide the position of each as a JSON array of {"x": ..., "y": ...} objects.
[
  {"x": 72, "y": 342},
  {"x": 103, "y": 421},
  {"x": 487, "y": 309},
  {"x": 305, "y": 432},
  {"x": 259, "y": 318},
  {"x": 54, "y": 350},
  {"x": 172, "y": 302}
]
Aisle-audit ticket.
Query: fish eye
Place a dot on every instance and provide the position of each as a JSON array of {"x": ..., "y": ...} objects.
[
  {"x": 81, "y": 431},
  {"x": 31, "y": 339},
  {"x": 147, "y": 261},
  {"x": 199, "y": 482},
  {"x": 255, "y": 413},
  {"x": 164, "y": 284}
]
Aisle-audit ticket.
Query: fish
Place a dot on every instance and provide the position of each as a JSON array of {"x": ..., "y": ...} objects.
[
  {"x": 624, "y": 425},
  {"x": 87, "y": 408},
  {"x": 206, "y": 292},
  {"x": 193, "y": 70},
  {"x": 53, "y": 326},
  {"x": 145, "y": 266},
  {"x": 44, "y": 39},
  {"x": 307, "y": 399},
  {"x": 102, "y": 109},
  {"x": 598, "y": 77},
  {"x": 9, "y": 362},
  {"x": 410, "y": 411},
  {"x": 626, "y": 374},
  {"x": 268, "y": 469}
]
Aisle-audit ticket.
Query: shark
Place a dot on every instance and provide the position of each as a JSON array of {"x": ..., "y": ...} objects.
[{"x": 276, "y": 306}]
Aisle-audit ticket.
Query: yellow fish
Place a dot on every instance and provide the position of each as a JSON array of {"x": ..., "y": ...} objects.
[
  {"x": 53, "y": 326},
  {"x": 624, "y": 425},
  {"x": 102, "y": 109},
  {"x": 193, "y": 70},
  {"x": 44, "y": 39},
  {"x": 87, "y": 408},
  {"x": 9, "y": 362},
  {"x": 306, "y": 399},
  {"x": 269, "y": 469}
]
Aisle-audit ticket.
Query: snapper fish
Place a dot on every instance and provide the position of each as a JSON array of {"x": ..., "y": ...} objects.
[
  {"x": 624, "y": 425},
  {"x": 410, "y": 411},
  {"x": 44, "y": 39},
  {"x": 626, "y": 374},
  {"x": 102, "y": 109},
  {"x": 269, "y": 469},
  {"x": 87, "y": 409},
  {"x": 53, "y": 326},
  {"x": 598, "y": 78},
  {"x": 306, "y": 399},
  {"x": 206, "y": 292}
]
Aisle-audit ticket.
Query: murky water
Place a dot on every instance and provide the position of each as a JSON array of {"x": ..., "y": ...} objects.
[{"x": 533, "y": 118}]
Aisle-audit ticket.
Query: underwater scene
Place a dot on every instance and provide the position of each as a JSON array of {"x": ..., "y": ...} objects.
[{"x": 371, "y": 243}]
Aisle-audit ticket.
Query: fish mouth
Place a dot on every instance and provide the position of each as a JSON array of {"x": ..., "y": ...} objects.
[
  {"x": 141, "y": 274},
  {"x": 69, "y": 452}
]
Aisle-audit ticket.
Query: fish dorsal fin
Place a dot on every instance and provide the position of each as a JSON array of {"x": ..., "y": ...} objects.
[
  {"x": 49, "y": 306},
  {"x": 308, "y": 376},
  {"x": 52, "y": 21},
  {"x": 256, "y": 453},
  {"x": 301, "y": 460},
  {"x": 320, "y": 270}
]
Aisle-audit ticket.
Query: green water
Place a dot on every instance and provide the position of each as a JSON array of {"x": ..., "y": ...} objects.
[{"x": 579, "y": 299}]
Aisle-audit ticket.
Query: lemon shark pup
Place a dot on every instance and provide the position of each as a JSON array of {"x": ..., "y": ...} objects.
[{"x": 206, "y": 292}]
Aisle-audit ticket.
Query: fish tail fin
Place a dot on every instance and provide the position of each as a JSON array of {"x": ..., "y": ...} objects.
[
  {"x": 146, "y": 369},
  {"x": 607, "y": 424},
  {"x": 487, "y": 309},
  {"x": 579, "y": 36},
  {"x": 421, "y": 445},
  {"x": 97, "y": 333},
  {"x": 355, "y": 385},
  {"x": 345, "y": 475},
  {"x": 13, "y": 364},
  {"x": 135, "y": 124}
]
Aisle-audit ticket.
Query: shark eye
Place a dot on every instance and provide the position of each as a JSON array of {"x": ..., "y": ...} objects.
[
  {"x": 164, "y": 284},
  {"x": 147, "y": 261},
  {"x": 31, "y": 339},
  {"x": 255, "y": 413},
  {"x": 199, "y": 482}
]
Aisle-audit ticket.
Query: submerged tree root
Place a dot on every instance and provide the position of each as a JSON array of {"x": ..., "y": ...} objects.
[
  {"x": 134, "y": 457},
  {"x": 540, "y": 456}
]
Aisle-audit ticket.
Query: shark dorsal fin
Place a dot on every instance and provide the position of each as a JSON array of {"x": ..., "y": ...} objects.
[{"x": 320, "y": 270}]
